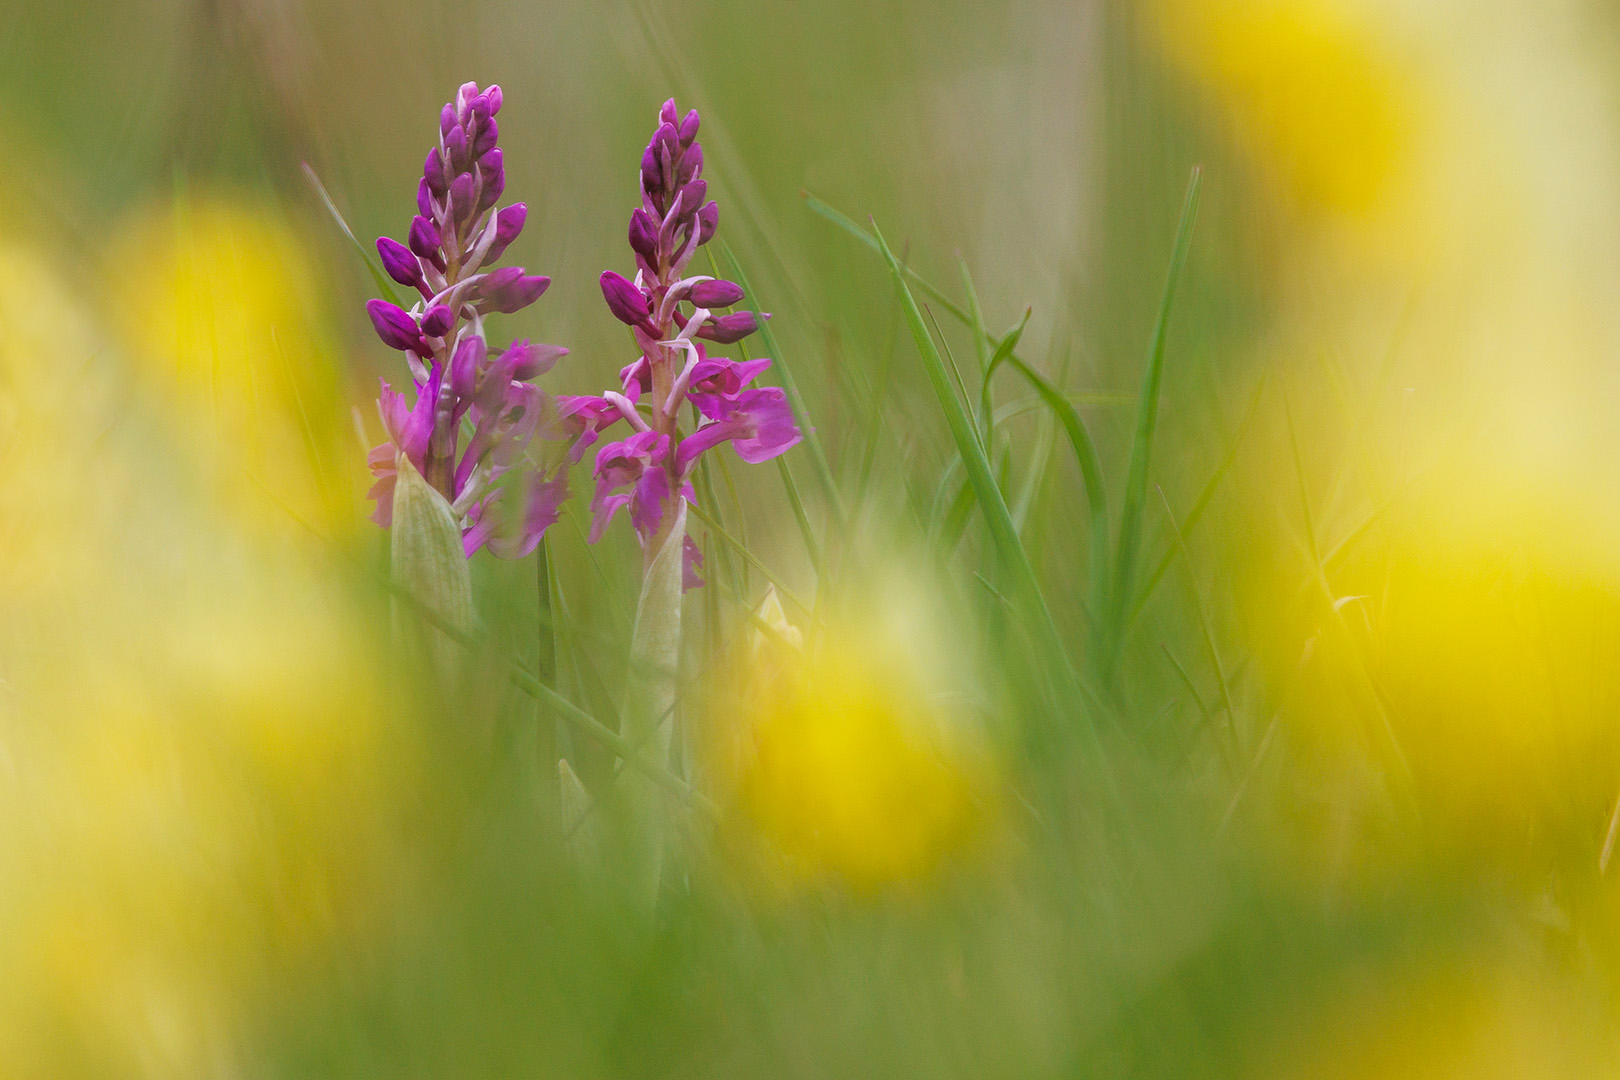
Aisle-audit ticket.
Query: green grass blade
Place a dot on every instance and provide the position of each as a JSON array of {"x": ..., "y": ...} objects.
[
  {"x": 1085, "y": 450},
  {"x": 849, "y": 225},
  {"x": 1027, "y": 588},
  {"x": 1003, "y": 349},
  {"x": 982, "y": 345},
  {"x": 1147, "y": 410},
  {"x": 811, "y": 548},
  {"x": 385, "y": 284}
]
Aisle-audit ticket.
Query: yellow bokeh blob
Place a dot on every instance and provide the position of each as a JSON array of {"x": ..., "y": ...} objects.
[
  {"x": 1314, "y": 92},
  {"x": 844, "y": 761},
  {"x": 227, "y": 326}
]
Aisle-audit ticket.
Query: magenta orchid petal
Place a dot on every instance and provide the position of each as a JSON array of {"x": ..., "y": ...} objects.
[
  {"x": 772, "y": 430},
  {"x": 704, "y": 438},
  {"x": 542, "y": 502}
]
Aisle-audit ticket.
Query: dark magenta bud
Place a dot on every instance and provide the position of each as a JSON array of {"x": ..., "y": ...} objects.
[
  {"x": 728, "y": 329},
  {"x": 628, "y": 303},
  {"x": 395, "y": 326},
  {"x": 493, "y": 174},
  {"x": 478, "y": 106},
  {"x": 689, "y": 128},
  {"x": 692, "y": 196},
  {"x": 447, "y": 119},
  {"x": 643, "y": 235},
  {"x": 691, "y": 165},
  {"x": 437, "y": 321},
  {"x": 713, "y": 294},
  {"x": 455, "y": 145},
  {"x": 509, "y": 289},
  {"x": 425, "y": 241},
  {"x": 518, "y": 294},
  {"x": 433, "y": 171},
  {"x": 667, "y": 112},
  {"x": 508, "y": 224},
  {"x": 708, "y": 219},
  {"x": 665, "y": 138},
  {"x": 534, "y": 360},
  {"x": 398, "y": 261},
  {"x": 461, "y": 197},
  {"x": 465, "y": 363},
  {"x": 652, "y": 173},
  {"x": 495, "y": 97},
  {"x": 424, "y": 198},
  {"x": 484, "y": 141}
]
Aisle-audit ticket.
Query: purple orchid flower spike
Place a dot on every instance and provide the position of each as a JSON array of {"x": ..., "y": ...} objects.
[
  {"x": 672, "y": 314},
  {"x": 461, "y": 382}
]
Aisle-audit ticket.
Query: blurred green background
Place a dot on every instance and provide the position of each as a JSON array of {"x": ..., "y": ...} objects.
[{"x": 1353, "y": 798}]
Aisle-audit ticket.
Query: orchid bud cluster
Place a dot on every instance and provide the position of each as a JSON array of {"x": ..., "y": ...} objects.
[
  {"x": 672, "y": 314},
  {"x": 453, "y": 242}
]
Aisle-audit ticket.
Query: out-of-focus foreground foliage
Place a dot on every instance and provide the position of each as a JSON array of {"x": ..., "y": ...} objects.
[{"x": 1351, "y": 801}]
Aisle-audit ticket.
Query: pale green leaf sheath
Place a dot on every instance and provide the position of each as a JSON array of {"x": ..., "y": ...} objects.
[{"x": 429, "y": 560}]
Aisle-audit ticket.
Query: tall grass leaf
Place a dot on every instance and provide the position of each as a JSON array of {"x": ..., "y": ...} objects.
[
  {"x": 1147, "y": 413},
  {"x": 1079, "y": 438},
  {"x": 1037, "y": 614},
  {"x": 849, "y": 225},
  {"x": 981, "y": 345},
  {"x": 796, "y": 501}
]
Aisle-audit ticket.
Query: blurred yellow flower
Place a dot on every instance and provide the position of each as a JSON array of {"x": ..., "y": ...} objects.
[
  {"x": 843, "y": 758},
  {"x": 1480, "y": 1018},
  {"x": 1312, "y": 87},
  {"x": 197, "y": 774},
  {"x": 224, "y": 313}
]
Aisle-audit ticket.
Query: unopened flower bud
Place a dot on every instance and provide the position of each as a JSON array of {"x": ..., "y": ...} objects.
[
  {"x": 424, "y": 241},
  {"x": 455, "y": 145},
  {"x": 507, "y": 293},
  {"x": 708, "y": 219},
  {"x": 395, "y": 326},
  {"x": 715, "y": 294},
  {"x": 437, "y": 321},
  {"x": 691, "y": 165},
  {"x": 643, "y": 235},
  {"x": 398, "y": 261},
  {"x": 728, "y": 329},
  {"x": 628, "y": 303},
  {"x": 484, "y": 141},
  {"x": 461, "y": 197},
  {"x": 508, "y": 224},
  {"x": 464, "y": 365}
]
